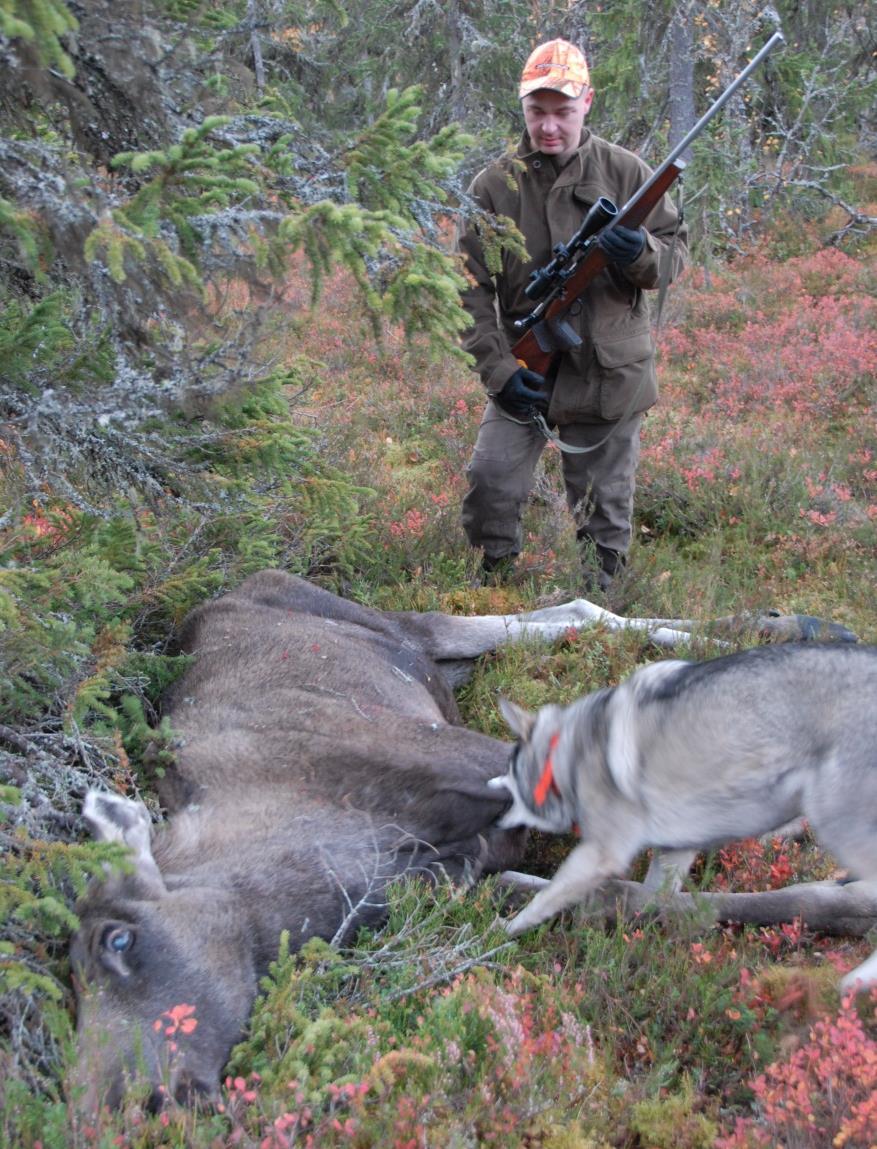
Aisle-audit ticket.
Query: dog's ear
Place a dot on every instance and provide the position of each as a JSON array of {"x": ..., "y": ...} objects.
[{"x": 520, "y": 721}]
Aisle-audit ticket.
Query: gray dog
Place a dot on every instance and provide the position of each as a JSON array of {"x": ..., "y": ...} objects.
[{"x": 684, "y": 756}]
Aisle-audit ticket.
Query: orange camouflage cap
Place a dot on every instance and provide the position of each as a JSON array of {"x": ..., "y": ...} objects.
[{"x": 557, "y": 65}]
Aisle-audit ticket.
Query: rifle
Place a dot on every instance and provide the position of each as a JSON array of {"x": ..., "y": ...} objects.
[{"x": 575, "y": 264}]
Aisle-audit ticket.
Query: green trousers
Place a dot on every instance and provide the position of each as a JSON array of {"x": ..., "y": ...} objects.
[{"x": 599, "y": 484}]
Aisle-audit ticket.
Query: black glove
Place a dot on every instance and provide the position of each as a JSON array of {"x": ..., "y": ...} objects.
[
  {"x": 521, "y": 394},
  {"x": 622, "y": 245}
]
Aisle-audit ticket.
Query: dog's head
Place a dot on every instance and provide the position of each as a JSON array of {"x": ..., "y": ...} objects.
[{"x": 536, "y": 772}]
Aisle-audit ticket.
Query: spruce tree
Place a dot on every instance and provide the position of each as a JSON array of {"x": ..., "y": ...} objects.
[{"x": 151, "y": 455}]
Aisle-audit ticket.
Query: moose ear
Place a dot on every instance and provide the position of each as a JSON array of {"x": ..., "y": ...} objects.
[
  {"x": 112, "y": 818},
  {"x": 519, "y": 720}
]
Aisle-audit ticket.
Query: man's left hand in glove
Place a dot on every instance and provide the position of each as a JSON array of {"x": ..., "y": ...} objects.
[{"x": 622, "y": 245}]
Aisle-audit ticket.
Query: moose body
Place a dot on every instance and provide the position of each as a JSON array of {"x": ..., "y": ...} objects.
[{"x": 318, "y": 755}]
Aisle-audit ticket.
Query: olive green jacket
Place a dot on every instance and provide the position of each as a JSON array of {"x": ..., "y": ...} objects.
[{"x": 612, "y": 373}]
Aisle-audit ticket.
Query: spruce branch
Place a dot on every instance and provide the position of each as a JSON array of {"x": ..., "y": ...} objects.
[{"x": 43, "y": 23}]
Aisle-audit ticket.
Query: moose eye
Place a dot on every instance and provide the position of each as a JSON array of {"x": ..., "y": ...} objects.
[{"x": 118, "y": 939}]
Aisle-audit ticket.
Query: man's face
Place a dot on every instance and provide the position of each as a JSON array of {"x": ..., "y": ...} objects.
[{"x": 554, "y": 121}]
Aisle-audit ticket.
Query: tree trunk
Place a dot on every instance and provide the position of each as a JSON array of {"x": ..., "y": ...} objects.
[
  {"x": 456, "y": 104},
  {"x": 681, "y": 84}
]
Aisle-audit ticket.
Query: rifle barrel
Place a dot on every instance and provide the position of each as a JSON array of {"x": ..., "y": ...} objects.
[{"x": 776, "y": 38}]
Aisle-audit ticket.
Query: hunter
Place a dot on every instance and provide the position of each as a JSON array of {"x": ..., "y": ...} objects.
[{"x": 597, "y": 393}]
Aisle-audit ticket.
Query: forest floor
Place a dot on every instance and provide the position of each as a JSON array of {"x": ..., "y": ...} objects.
[{"x": 757, "y": 491}]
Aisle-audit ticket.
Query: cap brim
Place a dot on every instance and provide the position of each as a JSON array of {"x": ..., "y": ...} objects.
[{"x": 568, "y": 88}]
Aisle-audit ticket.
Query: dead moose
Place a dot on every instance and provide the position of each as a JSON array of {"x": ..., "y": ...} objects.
[{"x": 318, "y": 755}]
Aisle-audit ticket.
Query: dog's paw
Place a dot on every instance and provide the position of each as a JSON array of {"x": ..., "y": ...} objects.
[{"x": 514, "y": 927}]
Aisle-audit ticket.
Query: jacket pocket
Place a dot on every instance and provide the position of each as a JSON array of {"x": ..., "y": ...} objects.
[{"x": 625, "y": 373}]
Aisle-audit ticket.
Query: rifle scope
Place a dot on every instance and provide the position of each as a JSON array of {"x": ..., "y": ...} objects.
[{"x": 543, "y": 279}]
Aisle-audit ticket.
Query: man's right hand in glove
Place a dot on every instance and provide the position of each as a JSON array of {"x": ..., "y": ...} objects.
[{"x": 522, "y": 393}]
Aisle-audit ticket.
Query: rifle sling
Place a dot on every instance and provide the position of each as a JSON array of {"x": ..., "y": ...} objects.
[{"x": 667, "y": 261}]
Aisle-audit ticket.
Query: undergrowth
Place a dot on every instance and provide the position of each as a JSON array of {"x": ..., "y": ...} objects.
[{"x": 757, "y": 490}]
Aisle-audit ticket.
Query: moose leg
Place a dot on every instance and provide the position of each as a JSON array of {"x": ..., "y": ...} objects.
[
  {"x": 828, "y": 907},
  {"x": 846, "y": 909},
  {"x": 456, "y": 638}
]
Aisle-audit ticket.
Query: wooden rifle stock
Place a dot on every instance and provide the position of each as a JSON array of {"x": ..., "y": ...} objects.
[{"x": 538, "y": 347}]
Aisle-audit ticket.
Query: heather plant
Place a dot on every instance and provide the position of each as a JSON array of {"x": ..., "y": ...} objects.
[
  {"x": 670, "y": 1122},
  {"x": 761, "y": 452},
  {"x": 824, "y": 1093},
  {"x": 812, "y": 360},
  {"x": 372, "y": 1046},
  {"x": 756, "y": 864}
]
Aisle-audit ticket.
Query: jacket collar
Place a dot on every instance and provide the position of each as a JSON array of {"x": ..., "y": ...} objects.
[{"x": 573, "y": 173}]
